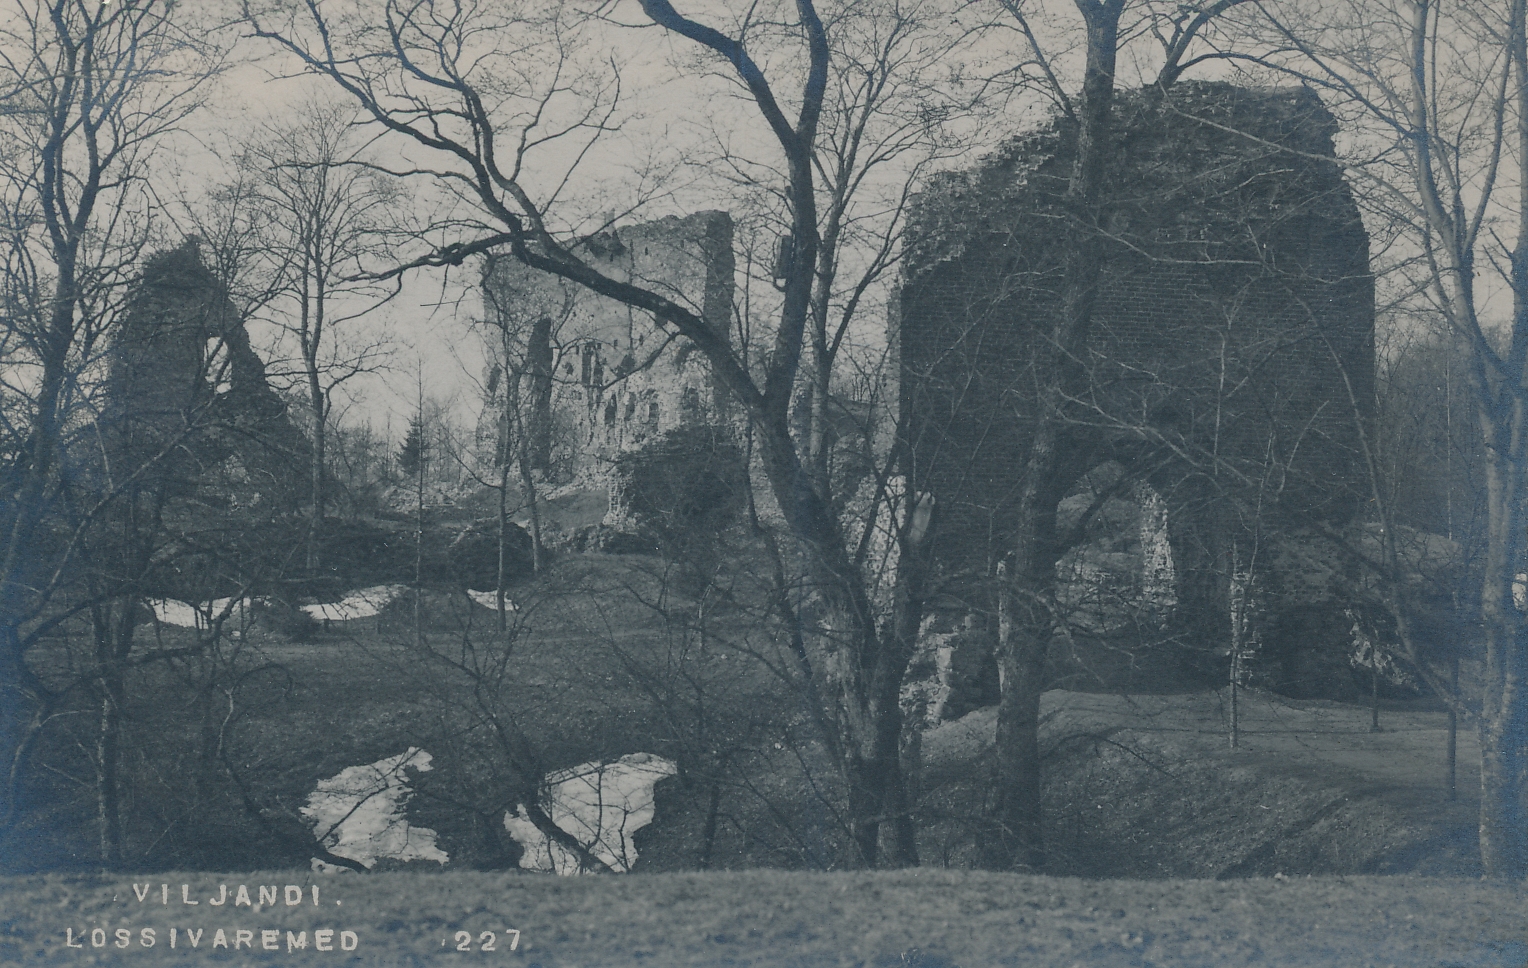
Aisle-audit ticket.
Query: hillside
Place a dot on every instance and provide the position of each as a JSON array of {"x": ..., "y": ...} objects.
[
  {"x": 1148, "y": 786},
  {"x": 1220, "y": 843}
]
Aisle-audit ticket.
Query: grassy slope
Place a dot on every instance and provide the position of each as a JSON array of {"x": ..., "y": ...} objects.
[
  {"x": 1141, "y": 786},
  {"x": 929, "y": 918},
  {"x": 1147, "y": 786},
  {"x": 589, "y": 676}
]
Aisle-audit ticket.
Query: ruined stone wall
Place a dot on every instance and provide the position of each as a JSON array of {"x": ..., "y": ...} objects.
[
  {"x": 597, "y": 378},
  {"x": 1235, "y": 309},
  {"x": 181, "y": 369}
]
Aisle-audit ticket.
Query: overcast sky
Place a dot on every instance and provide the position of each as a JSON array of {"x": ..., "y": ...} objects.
[
  {"x": 430, "y": 320},
  {"x": 669, "y": 111}
]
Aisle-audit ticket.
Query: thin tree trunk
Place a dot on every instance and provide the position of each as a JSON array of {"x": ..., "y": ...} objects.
[
  {"x": 1504, "y": 707},
  {"x": 419, "y": 564},
  {"x": 210, "y": 732},
  {"x": 503, "y": 542},
  {"x": 1017, "y": 837},
  {"x": 310, "y": 310},
  {"x": 1240, "y": 591},
  {"x": 1453, "y": 733},
  {"x": 1235, "y": 698},
  {"x": 317, "y": 467},
  {"x": 713, "y": 819},
  {"x": 419, "y": 526},
  {"x": 108, "y": 817},
  {"x": 528, "y": 484},
  {"x": 1014, "y": 835},
  {"x": 1374, "y": 695},
  {"x": 114, "y": 638}
]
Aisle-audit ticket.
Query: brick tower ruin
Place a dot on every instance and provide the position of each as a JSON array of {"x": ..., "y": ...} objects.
[{"x": 1232, "y": 347}]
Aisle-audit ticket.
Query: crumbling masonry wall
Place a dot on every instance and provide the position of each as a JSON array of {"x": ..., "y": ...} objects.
[
  {"x": 1233, "y": 330},
  {"x": 181, "y": 368},
  {"x": 593, "y": 378}
]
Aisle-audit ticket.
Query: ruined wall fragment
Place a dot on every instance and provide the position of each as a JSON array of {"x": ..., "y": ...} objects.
[{"x": 591, "y": 378}]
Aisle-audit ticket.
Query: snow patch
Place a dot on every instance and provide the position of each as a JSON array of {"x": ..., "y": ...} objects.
[
  {"x": 363, "y": 603},
  {"x": 179, "y": 614},
  {"x": 168, "y": 611},
  {"x": 491, "y": 600},
  {"x": 601, "y": 805},
  {"x": 359, "y": 813}
]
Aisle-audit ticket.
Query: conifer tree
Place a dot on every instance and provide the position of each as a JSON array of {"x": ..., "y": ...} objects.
[{"x": 415, "y": 450}]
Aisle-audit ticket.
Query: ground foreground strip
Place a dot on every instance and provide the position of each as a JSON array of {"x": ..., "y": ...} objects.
[{"x": 769, "y": 918}]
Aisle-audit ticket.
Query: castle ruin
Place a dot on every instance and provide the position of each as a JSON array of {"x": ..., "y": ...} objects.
[
  {"x": 586, "y": 379},
  {"x": 1231, "y": 354}
]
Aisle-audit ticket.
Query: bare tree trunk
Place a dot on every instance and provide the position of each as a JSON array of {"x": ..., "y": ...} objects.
[
  {"x": 1235, "y": 701},
  {"x": 1243, "y": 632},
  {"x": 114, "y": 639},
  {"x": 878, "y": 803},
  {"x": 528, "y": 484},
  {"x": 310, "y": 335},
  {"x": 713, "y": 815},
  {"x": 20, "y": 688},
  {"x": 1374, "y": 696},
  {"x": 1017, "y": 837},
  {"x": 1504, "y": 718},
  {"x": 1504, "y": 706},
  {"x": 419, "y": 525},
  {"x": 1015, "y": 834},
  {"x": 503, "y": 542},
  {"x": 900, "y": 641},
  {"x": 317, "y": 467},
  {"x": 1453, "y": 732},
  {"x": 880, "y": 778},
  {"x": 108, "y": 815},
  {"x": 865, "y": 670},
  {"x": 209, "y": 740},
  {"x": 419, "y": 565},
  {"x": 1238, "y": 600}
]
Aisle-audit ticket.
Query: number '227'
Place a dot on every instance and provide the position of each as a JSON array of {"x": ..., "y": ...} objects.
[{"x": 486, "y": 940}]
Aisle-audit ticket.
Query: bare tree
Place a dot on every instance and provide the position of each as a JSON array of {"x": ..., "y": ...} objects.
[
  {"x": 326, "y": 216},
  {"x": 899, "y": 102},
  {"x": 487, "y": 133},
  {"x": 1440, "y": 96},
  {"x": 1050, "y": 467},
  {"x": 92, "y": 94}
]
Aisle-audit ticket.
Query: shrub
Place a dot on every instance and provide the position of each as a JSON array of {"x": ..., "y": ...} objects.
[{"x": 684, "y": 488}]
